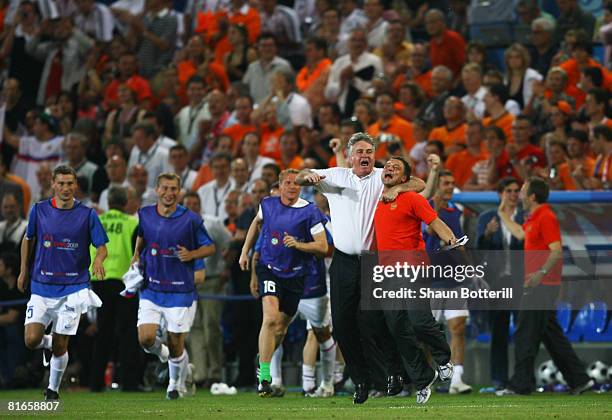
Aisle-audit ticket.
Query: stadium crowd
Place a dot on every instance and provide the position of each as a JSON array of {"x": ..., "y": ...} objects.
[{"x": 227, "y": 94}]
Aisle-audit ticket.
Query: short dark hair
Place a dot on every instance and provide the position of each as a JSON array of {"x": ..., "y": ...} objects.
[
  {"x": 148, "y": 129},
  {"x": 192, "y": 194},
  {"x": 504, "y": 182},
  {"x": 499, "y": 133},
  {"x": 179, "y": 147},
  {"x": 318, "y": 42},
  {"x": 354, "y": 123},
  {"x": 63, "y": 170},
  {"x": 499, "y": 91},
  {"x": 600, "y": 95},
  {"x": 407, "y": 167},
  {"x": 266, "y": 35},
  {"x": 602, "y": 130},
  {"x": 579, "y": 135},
  {"x": 595, "y": 74},
  {"x": 195, "y": 79},
  {"x": 272, "y": 166},
  {"x": 583, "y": 44},
  {"x": 221, "y": 156},
  {"x": 539, "y": 188},
  {"x": 117, "y": 197},
  {"x": 439, "y": 145},
  {"x": 168, "y": 176}
]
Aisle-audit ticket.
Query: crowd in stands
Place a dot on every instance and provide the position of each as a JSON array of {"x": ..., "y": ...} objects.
[{"x": 227, "y": 93}]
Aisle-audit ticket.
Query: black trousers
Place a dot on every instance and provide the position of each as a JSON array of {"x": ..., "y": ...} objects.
[
  {"x": 536, "y": 326},
  {"x": 117, "y": 330},
  {"x": 499, "y": 323},
  {"x": 345, "y": 293}
]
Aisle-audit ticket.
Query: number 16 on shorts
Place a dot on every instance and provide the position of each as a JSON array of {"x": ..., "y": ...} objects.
[{"x": 269, "y": 286}]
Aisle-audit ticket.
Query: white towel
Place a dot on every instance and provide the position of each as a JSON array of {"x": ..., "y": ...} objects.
[{"x": 132, "y": 280}]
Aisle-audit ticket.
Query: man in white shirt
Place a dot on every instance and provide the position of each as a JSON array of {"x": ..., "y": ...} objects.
[
  {"x": 94, "y": 19},
  {"x": 352, "y": 17},
  {"x": 240, "y": 174},
  {"x": 75, "y": 148},
  {"x": 353, "y": 195},
  {"x": 138, "y": 179},
  {"x": 188, "y": 119},
  {"x": 376, "y": 26},
  {"x": 148, "y": 153},
  {"x": 471, "y": 76},
  {"x": 179, "y": 159},
  {"x": 351, "y": 75},
  {"x": 250, "y": 153},
  {"x": 155, "y": 120},
  {"x": 292, "y": 109},
  {"x": 213, "y": 193}
]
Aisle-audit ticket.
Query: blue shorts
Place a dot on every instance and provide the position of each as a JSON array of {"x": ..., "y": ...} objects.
[{"x": 288, "y": 291}]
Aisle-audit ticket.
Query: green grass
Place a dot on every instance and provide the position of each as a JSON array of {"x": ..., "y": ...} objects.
[{"x": 117, "y": 405}]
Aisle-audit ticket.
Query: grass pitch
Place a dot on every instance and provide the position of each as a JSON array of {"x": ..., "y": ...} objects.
[{"x": 118, "y": 405}]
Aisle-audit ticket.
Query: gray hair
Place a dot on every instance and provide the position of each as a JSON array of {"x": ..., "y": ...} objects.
[
  {"x": 117, "y": 197},
  {"x": 287, "y": 74},
  {"x": 80, "y": 137},
  {"x": 445, "y": 71},
  {"x": 356, "y": 138},
  {"x": 544, "y": 24}
]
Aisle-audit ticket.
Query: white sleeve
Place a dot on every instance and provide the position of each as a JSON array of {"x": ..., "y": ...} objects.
[
  {"x": 259, "y": 213},
  {"x": 318, "y": 228},
  {"x": 332, "y": 89},
  {"x": 334, "y": 177},
  {"x": 108, "y": 24}
]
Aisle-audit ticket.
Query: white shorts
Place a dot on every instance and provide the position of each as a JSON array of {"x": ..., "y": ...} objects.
[
  {"x": 440, "y": 308},
  {"x": 315, "y": 311},
  {"x": 178, "y": 319},
  {"x": 64, "y": 312}
]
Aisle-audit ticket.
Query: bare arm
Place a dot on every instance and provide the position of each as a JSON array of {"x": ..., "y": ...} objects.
[
  {"x": 98, "y": 262},
  {"x": 306, "y": 177},
  {"x": 204, "y": 251},
  {"x": 317, "y": 247},
  {"x": 443, "y": 231},
  {"x": 514, "y": 228},
  {"x": 24, "y": 273},
  {"x": 137, "y": 249},
  {"x": 433, "y": 162},
  {"x": 249, "y": 242}
]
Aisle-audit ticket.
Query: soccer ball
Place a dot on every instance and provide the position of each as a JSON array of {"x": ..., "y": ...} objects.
[
  {"x": 559, "y": 378},
  {"x": 546, "y": 373},
  {"x": 598, "y": 371}
]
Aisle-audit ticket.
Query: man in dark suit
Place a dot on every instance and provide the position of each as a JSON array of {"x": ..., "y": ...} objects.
[{"x": 505, "y": 269}]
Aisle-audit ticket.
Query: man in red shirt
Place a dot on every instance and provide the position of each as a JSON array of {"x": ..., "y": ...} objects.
[
  {"x": 537, "y": 320},
  {"x": 446, "y": 47},
  {"x": 398, "y": 228},
  {"x": 128, "y": 74}
]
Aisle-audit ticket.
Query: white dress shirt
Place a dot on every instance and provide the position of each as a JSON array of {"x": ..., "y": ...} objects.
[
  {"x": 155, "y": 161},
  {"x": 212, "y": 198},
  {"x": 378, "y": 34},
  {"x": 475, "y": 102},
  {"x": 103, "y": 200},
  {"x": 352, "y": 202}
]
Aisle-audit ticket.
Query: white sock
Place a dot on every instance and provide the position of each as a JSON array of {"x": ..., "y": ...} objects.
[
  {"x": 338, "y": 372},
  {"x": 327, "y": 352},
  {"x": 457, "y": 372},
  {"x": 184, "y": 369},
  {"x": 175, "y": 369},
  {"x": 308, "y": 377},
  {"x": 159, "y": 349},
  {"x": 58, "y": 366},
  {"x": 276, "y": 369},
  {"x": 46, "y": 342}
]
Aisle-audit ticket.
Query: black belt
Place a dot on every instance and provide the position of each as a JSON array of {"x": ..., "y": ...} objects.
[{"x": 353, "y": 257}]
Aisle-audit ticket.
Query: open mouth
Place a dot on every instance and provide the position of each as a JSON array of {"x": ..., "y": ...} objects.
[
  {"x": 387, "y": 176},
  {"x": 364, "y": 162}
]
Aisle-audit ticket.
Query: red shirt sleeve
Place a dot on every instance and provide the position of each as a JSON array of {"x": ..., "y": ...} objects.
[
  {"x": 421, "y": 208},
  {"x": 549, "y": 226}
]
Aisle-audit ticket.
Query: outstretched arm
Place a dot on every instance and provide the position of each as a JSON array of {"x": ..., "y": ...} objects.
[{"x": 307, "y": 177}]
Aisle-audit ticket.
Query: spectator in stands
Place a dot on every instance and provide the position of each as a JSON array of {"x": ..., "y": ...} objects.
[
  {"x": 213, "y": 194},
  {"x": 485, "y": 174},
  {"x": 571, "y": 16},
  {"x": 476, "y": 53},
  {"x": 441, "y": 85},
  {"x": 596, "y": 108},
  {"x": 120, "y": 120},
  {"x": 462, "y": 162},
  {"x": 417, "y": 71},
  {"x": 200, "y": 60},
  {"x": 147, "y": 153},
  {"x": 219, "y": 116},
  {"x": 591, "y": 78},
  {"x": 237, "y": 60},
  {"x": 418, "y": 153},
  {"x": 43, "y": 183},
  {"x": 243, "y": 106},
  {"x": 556, "y": 155},
  {"x": 22, "y": 66},
  {"x": 239, "y": 171},
  {"x": 95, "y": 20},
  {"x": 559, "y": 120},
  {"x": 43, "y": 146},
  {"x": 410, "y": 99},
  {"x": 376, "y": 26},
  {"x": 312, "y": 78},
  {"x": 116, "y": 171},
  {"x": 189, "y": 118},
  {"x": 12, "y": 351},
  {"x": 330, "y": 32},
  {"x": 206, "y": 335},
  {"x": 250, "y": 152},
  {"x": 519, "y": 76},
  {"x": 576, "y": 171},
  {"x": 352, "y": 17},
  {"x": 138, "y": 178},
  {"x": 13, "y": 225},
  {"x": 543, "y": 48},
  {"x": 154, "y": 37},
  {"x": 8, "y": 187},
  {"x": 179, "y": 160},
  {"x": 494, "y": 100},
  {"x": 158, "y": 120},
  {"x": 389, "y": 123},
  {"x": 292, "y": 109},
  {"x": 270, "y": 173},
  {"x": 471, "y": 78},
  {"x": 282, "y": 21},
  {"x": 452, "y": 133},
  {"x": 601, "y": 144},
  {"x": 528, "y": 11},
  {"x": 364, "y": 112},
  {"x": 446, "y": 47},
  {"x": 351, "y": 75},
  {"x": 258, "y": 73},
  {"x": 230, "y": 205},
  {"x": 290, "y": 151},
  {"x": 395, "y": 51},
  {"x": 63, "y": 49},
  {"x": 75, "y": 149},
  {"x": 127, "y": 74},
  {"x": 492, "y": 236},
  {"x": 523, "y": 156}
]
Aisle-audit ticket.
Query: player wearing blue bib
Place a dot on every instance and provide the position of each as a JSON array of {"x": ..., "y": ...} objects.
[
  {"x": 291, "y": 229},
  {"x": 60, "y": 231},
  {"x": 171, "y": 244}
]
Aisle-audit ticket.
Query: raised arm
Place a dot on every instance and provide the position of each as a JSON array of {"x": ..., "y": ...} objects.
[
  {"x": 515, "y": 229},
  {"x": 433, "y": 163}
]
